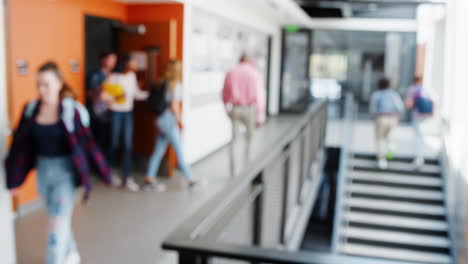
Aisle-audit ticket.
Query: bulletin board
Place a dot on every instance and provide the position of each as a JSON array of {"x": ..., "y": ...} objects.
[{"x": 216, "y": 44}]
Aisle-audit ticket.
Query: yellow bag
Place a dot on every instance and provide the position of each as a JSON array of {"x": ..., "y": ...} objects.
[{"x": 116, "y": 91}]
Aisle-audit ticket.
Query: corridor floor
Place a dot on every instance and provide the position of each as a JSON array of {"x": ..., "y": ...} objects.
[{"x": 121, "y": 228}]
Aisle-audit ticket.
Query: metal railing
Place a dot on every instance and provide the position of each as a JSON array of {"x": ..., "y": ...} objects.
[
  {"x": 344, "y": 169},
  {"x": 261, "y": 216}
]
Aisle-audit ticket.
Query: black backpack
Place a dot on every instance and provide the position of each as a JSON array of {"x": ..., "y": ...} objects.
[{"x": 157, "y": 100}]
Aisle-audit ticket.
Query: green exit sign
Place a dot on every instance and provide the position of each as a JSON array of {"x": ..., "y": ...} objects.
[{"x": 292, "y": 28}]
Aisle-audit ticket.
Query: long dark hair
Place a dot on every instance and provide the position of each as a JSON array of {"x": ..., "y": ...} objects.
[
  {"x": 123, "y": 64},
  {"x": 66, "y": 91}
]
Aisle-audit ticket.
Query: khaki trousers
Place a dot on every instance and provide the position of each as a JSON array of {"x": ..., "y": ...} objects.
[
  {"x": 383, "y": 127},
  {"x": 241, "y": 116}
]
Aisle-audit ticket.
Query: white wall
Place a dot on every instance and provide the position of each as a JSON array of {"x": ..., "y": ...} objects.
[
  {"x": 447, "y": 66},
  {"x": 7, "y": 243},
  {"x": 208, "y": 128}
]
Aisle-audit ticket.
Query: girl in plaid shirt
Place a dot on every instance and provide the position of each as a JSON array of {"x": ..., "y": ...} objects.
[{"x": 54, "y": 137}]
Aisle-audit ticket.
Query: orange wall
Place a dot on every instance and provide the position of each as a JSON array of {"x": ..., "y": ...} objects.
[
  {"x": 165, "y": 22},
  {"x": 40, "y": 30},
  {"x": 420, "y": 59},
  {"x": 147, "y": 13}
]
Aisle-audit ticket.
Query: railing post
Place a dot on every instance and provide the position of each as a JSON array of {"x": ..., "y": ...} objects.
[
  {"x": 190, "y": 258},
  {"x": 284, "y": 211},
  {"x": 258, "y": 212},
  {"x": 302, "y": 169}
]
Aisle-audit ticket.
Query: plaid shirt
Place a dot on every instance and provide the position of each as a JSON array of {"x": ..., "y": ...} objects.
[{"x": 75, "y": 121}]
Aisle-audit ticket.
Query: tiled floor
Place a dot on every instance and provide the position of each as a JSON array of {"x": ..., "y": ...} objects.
[{"x": 402, "y": 138}]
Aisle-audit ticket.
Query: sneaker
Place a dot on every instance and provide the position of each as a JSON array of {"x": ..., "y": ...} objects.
[
  {"x": 73, "y": 258},
  {"x": 154, "y": 186},
  {"x": 382, "y": 164},
  {"x": 390, "y": 155},
  {"x": 192, "y": 183},
  {"x": 116, "y": 181},
  {"x": 131, "y": 185},
  {"x": 418, "y": 164}
]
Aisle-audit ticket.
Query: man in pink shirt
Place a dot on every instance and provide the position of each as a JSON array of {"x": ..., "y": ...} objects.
[{"x": 244, "y": 99}]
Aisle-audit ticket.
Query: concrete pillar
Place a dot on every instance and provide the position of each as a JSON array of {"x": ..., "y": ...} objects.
[
  {"x": 367, "y": 80},
  {"x": 7, "y": 242},
  {"x": 393, "y": 58}
]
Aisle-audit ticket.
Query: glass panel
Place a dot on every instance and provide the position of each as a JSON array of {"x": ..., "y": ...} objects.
[
  {"x": 295, "y": 82},
  {"x": 240, "y": 229},
  {"x": 355, "y": 60},
  {"x": 273, "y": 204}
]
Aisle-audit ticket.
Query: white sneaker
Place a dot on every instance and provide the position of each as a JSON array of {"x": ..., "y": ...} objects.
[
  {"x": 131, "y": 185},
  {"x": 73, "y": 258},
  {"x": 155, "y": 186},
  {"x": 382, "y": 164},
  {"x": 418, "y": 164},
  {"x": 116, "y": 181}
]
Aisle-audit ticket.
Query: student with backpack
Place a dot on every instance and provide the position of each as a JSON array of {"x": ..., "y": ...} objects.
[
  {"x": 386, "y": 106},
  {"x": 421, "y": 102},
  {"x": 163, "y": 102},
  {"x": 53, "y": 137}
]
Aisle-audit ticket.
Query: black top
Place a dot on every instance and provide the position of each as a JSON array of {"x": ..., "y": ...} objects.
[{"x": 50, "y": 140}]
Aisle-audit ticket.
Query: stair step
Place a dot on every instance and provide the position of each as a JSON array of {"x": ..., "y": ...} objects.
[
  {"x": 399, "y": 166},
  {"x": 395, "y": 206},
  {"x": 393, "y": 178},
  {"x": 396, "y": 221},
  {"x": 395, "y": 237},
  {"x": 395, "y": 192},
  {"x": 396, "y": 254},
  {"x": 406, "y": 159}
]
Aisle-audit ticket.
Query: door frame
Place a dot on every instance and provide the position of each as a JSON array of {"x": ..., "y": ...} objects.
[
  {"x": 284, "y": 33},
  {"x": 7, "y": 243},
  {"x": 268, "y": 77}
]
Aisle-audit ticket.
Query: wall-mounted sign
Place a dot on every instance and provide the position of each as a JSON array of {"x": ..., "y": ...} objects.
[
  {"x": 22, "y": 66},
  {"x": 141, "y": 59},
  {"x": 292, "y": 28},
  {"x": 75, "y": 66}
]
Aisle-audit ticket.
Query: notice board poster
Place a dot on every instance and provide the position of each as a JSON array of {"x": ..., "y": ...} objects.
[{"x": 216, "y": 44}]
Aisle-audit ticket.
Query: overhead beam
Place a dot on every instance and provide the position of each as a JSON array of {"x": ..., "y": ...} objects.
[
  {"x": 382, "y": 2},
  {"x": 364, "y": 24}
]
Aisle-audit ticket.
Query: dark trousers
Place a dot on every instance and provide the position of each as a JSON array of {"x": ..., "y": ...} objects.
[
  {"x": 101, "y": 131},
  {"x": 122, "y": 126}
]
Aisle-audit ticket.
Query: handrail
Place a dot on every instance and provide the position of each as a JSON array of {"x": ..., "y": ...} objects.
[
  {"x": 346, "y": 150},
  {"x": 193, "y": 236}
]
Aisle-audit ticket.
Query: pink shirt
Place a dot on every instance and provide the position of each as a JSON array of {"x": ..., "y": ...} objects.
[{"x": 243, "y": 86}]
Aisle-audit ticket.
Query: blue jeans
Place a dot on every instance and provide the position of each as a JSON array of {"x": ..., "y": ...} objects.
[
  {"x": 419, "y": 137},
  {"x": 56, "y": 184},
  {"x": 122, "y": 123},
  {"x": 100, "y": 127},
  {"x": 168, "y": 133}
]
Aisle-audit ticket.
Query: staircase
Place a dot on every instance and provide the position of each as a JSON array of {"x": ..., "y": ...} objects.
[{"x": 397, "y": 214}]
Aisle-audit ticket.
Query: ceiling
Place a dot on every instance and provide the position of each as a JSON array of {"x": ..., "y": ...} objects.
[
  {"x": 149, "y": 1},
  {"x": 387, "y": 9},
  {"x": 307, "y": 13}
]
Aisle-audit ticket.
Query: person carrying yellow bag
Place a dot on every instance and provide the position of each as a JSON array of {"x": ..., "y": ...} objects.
[
  {"x": 120, "y": 90},
  {"x": 116, "y": 91}
]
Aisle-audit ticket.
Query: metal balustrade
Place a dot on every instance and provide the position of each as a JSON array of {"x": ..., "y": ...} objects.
[{"x": 261, "y": 215}]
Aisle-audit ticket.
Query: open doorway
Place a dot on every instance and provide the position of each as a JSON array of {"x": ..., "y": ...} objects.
[{"x": 102, "y": 35}]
